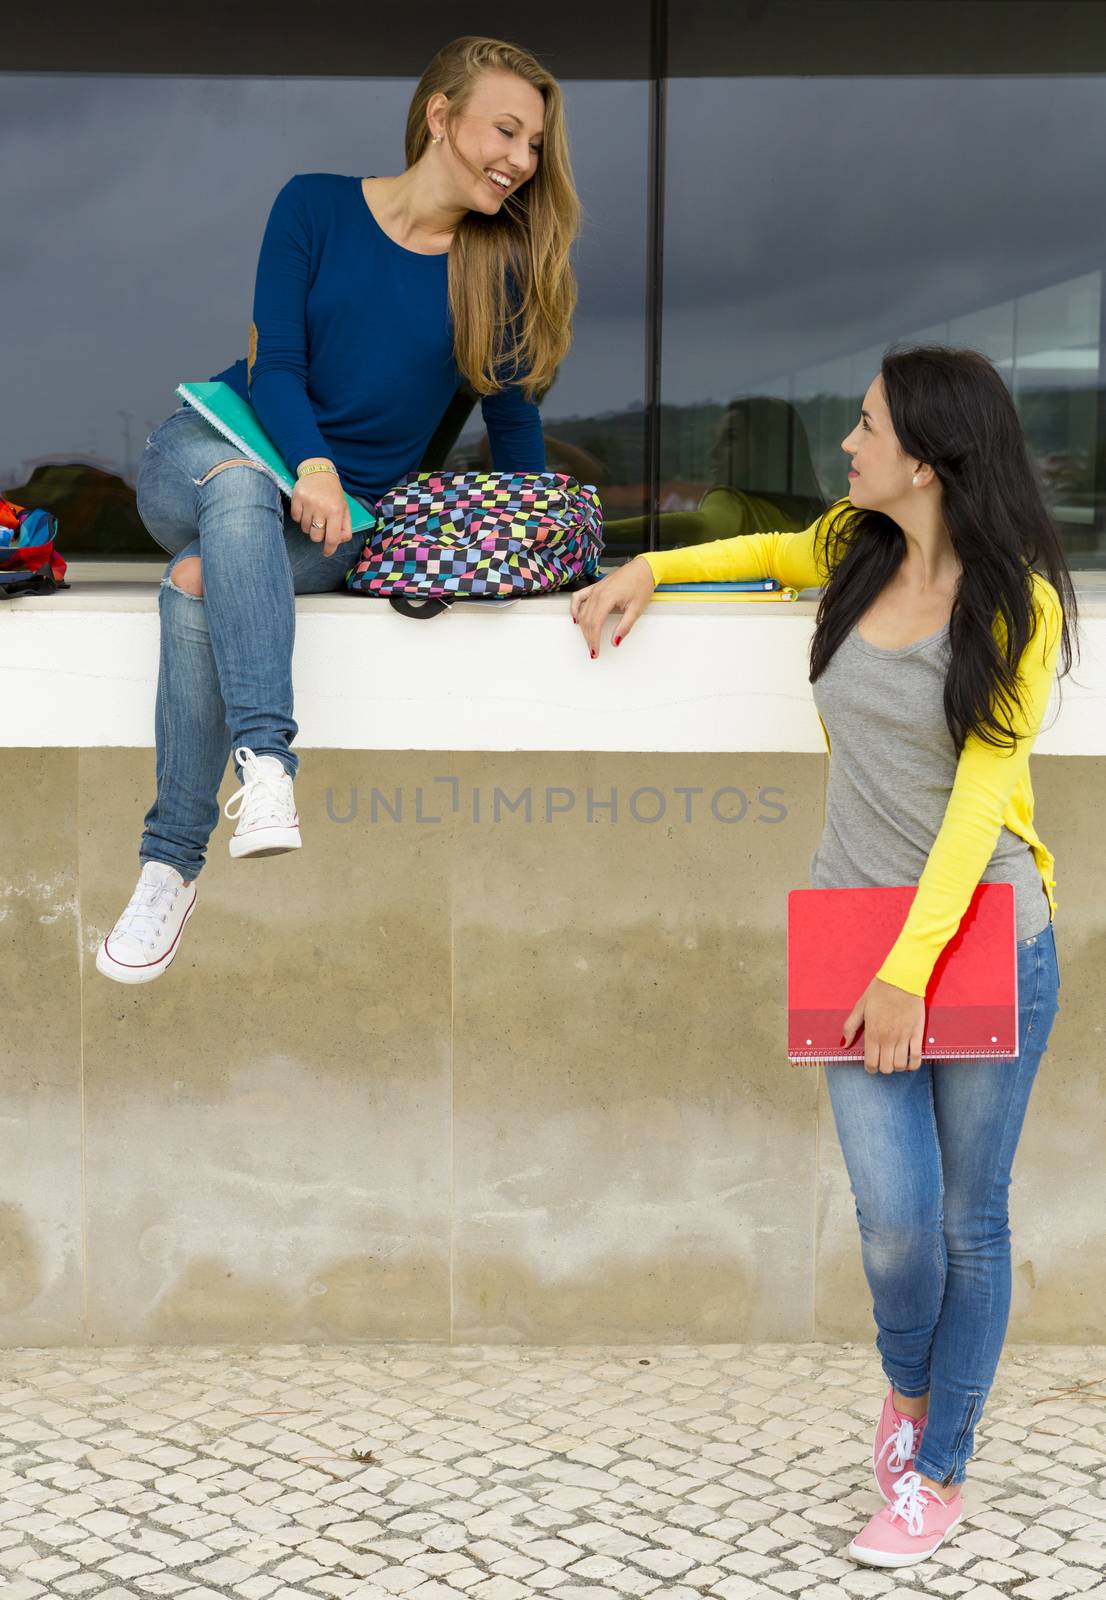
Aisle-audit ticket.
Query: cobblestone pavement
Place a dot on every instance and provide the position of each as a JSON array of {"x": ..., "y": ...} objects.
[{"x": 726, "y": 1472}]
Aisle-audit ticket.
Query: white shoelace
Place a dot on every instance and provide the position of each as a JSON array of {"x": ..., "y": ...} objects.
[
  {"x": 265, "y": 798},
  {"x": 911, "y": 1505},
  {"x": 902, "y": 1445},
  {"x": 147, "y": 910}
]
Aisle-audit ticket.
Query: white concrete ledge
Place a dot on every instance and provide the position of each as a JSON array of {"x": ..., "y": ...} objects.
[{"x": 80, "y": 668}]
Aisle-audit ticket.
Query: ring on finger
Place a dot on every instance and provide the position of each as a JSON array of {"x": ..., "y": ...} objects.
[{"x": 316, "y": 524}]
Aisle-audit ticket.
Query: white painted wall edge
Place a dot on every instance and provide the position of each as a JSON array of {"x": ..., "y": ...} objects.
[{"x": 80, "y": 669}]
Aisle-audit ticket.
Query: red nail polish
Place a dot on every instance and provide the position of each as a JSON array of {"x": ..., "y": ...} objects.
[
  {"x": 618, "y": 638},
  {"x": 574, "y": 622},
  {"x": 593, "y": 655}
]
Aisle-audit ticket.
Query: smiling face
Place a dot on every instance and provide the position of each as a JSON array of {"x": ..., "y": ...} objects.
[
  {"x": 498, "y": 132},
  {"x": 881, "y": 475}
]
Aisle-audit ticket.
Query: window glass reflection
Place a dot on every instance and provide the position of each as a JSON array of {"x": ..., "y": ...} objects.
[
  {"x": 139, "y": 204},
  {"x": 856, "y": 214}
]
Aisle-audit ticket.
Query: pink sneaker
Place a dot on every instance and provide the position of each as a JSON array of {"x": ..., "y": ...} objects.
[
  {"x": 896, "y": 1445},
  {"x": 910, "y": 1528}
]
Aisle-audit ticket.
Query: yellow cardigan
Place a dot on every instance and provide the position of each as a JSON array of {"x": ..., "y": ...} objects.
[{"x": 992, "y": 785}]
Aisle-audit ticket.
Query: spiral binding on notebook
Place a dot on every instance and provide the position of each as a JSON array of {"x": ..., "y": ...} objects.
[
  {"x": 188, "y": 394},
  {"x": 800, "y": 1057}
]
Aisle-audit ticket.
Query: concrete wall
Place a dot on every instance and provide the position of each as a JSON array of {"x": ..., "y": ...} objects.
[{"x": 471, "y": 1079}]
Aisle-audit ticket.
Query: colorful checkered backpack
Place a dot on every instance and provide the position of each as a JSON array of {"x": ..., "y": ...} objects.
[
  {"x": 479, "y": 535},
  {"x": 29, "y": 564}
]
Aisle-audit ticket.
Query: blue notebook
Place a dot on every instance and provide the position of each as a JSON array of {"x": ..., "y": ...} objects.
[
  {"x": 238, "y": 422},
  {"x": 738, "y": 592},
  {"x": 744, "y": 586}
]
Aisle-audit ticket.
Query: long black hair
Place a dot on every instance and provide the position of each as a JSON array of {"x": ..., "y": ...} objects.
[{"x": 952, "y": 411}]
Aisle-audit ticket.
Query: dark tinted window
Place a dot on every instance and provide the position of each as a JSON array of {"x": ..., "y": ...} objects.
[
  {"x": 139, "y": 205},
  {"x": 811, "y": 222}
]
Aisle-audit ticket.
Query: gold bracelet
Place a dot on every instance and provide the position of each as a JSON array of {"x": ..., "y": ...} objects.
[{"x": 320, "y": 466}]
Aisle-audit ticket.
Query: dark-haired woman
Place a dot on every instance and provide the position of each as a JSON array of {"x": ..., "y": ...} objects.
[
  {"x": 374, "y": 298},
  {"x": 946, "y": 606}
]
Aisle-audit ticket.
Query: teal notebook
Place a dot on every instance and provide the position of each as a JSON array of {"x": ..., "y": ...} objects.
[{"x": 238, "y": 422}]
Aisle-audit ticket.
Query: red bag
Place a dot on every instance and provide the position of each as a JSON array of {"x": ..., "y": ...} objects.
[{"x": 29, "y": 563}]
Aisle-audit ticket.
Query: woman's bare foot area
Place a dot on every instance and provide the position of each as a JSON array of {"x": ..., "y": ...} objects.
[{"x": 913, "y": 1406}]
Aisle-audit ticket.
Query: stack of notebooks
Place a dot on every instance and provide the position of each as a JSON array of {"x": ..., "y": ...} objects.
[{"x": 747, "y": 589}]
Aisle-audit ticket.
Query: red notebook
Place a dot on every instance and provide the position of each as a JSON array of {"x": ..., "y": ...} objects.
[{"x": 837, "y": 939}]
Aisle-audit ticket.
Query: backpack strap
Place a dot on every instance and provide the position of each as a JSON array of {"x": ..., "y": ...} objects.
[
  {"x": 41, "y": 582},
  {"x": 420, "y": 610}
]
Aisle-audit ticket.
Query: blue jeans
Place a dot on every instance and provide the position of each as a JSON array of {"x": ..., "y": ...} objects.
[
  {"x": 225, "y": 670},
  {"x": 929, "y": 1155}
]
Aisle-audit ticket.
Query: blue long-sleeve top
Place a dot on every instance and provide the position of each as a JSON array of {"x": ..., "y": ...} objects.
[{"x": 353, "y": 351}]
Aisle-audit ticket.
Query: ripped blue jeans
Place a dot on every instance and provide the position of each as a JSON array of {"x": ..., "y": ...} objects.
[
  {"x": 225, "y": 669},
  {"x": 929, "y": 1155}
]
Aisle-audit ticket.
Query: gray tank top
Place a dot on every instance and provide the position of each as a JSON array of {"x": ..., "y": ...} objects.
[{"x": 891, "y": 771}]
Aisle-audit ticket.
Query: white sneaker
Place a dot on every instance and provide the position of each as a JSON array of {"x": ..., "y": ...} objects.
[
  {"x": 147, "y": 936},
  {"x": 264, "y": 806}
]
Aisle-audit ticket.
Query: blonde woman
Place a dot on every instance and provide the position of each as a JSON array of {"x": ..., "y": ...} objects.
[{"x": 375, "y": 297}]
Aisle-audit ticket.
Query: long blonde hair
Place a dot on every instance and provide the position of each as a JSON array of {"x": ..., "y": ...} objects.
[{"x": 512, "y": 289}]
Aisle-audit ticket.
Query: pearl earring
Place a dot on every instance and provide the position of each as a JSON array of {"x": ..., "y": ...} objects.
[
  {"x": 914, "y": 480},
  {"x": 437, "y": 139}
]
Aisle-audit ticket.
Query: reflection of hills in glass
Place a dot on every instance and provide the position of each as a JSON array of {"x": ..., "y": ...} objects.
[
  {"x": 1060, "y": 424},
  {"x": 688, "y": 435},
  {"x": 96, "y": 514},
  {"x": 95, "y": 509}
]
